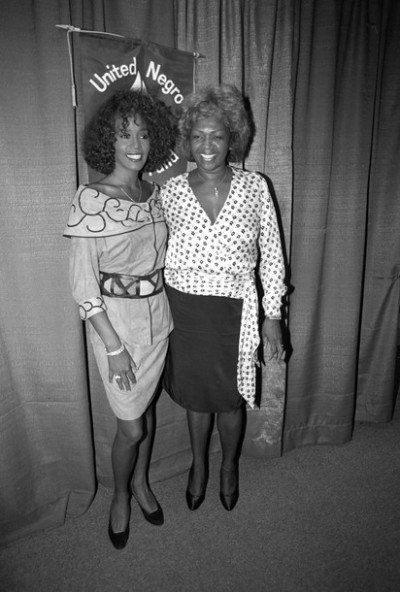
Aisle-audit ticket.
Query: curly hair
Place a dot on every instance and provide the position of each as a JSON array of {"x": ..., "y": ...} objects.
[
  {"x": 100, "y": 134},
  {"x": 225, "y": 101}
]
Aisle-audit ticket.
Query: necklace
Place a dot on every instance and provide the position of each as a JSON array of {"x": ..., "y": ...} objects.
[
  {"x": 216, "y": 187},
  {"x": 131, "y": 198}
]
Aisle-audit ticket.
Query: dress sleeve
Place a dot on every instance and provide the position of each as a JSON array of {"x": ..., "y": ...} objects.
[
  {"x": 84, "y": 276},
  {"x": 272, "y": 268}
]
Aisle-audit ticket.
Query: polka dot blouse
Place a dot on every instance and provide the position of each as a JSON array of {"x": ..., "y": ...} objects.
[{"x": 220, "y": 258}]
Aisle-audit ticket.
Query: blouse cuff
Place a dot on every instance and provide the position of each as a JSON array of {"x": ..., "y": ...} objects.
[
  {"x": 90, "y": 307},
  {"x": 272, "y": 310}
]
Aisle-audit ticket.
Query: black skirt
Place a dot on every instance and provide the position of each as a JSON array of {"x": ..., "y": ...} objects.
[{"x": 201, "y": 366}]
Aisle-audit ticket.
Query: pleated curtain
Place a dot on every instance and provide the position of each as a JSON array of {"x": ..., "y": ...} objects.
[
  {"x": 345, "y": 239},
  {"x": 321, "y": 79}
]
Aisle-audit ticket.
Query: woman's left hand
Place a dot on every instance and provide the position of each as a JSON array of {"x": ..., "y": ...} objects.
[{"x": 271, "y": 334}]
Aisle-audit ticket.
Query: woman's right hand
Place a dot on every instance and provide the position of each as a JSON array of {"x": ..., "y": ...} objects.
[
  {"x": 121, "y": 366},
  {"x": 121, "y": 369}
]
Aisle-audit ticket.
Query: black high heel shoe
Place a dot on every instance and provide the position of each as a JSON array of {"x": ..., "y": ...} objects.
[
  {"x": 118, "y": 539},
  {"x": 229, "y": 501},
  {"x": 156, "y": 517},
  {"x": 194, "y": 501}
]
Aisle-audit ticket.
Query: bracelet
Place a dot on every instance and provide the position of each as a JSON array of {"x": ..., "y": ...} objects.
[
  {"x": 274, "y": 318},
  {"x": 116, "y": 352}
]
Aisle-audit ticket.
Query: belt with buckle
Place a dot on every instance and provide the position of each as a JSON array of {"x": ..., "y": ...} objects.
[{"x": 118, "y": 285}]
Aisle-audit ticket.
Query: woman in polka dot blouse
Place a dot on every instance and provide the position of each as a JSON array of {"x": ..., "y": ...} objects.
[{"x": 221, "y": 223}]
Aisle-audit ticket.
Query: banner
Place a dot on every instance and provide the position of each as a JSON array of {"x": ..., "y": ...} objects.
[{"x": 104, "y": 63}]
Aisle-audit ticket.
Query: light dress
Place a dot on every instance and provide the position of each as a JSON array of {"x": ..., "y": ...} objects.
[
  {"x": 219, "y": 259},
  {"x": 116, "y": 236}
]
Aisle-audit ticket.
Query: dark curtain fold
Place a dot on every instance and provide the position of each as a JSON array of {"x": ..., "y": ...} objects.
[
  {"x": 321, "y": 79},
  {"x": 379, "y": 329},
  {"x": 341, "y": 109}
]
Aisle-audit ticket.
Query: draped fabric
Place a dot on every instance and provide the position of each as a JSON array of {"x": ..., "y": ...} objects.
[
  {"x": 322, "y": 81},
  {"x": 46, "y": 452},
  {"x": 379, "y": 327},
  {"x": 346, "y": 219}
]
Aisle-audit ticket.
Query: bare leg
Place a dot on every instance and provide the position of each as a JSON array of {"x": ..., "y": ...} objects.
[
  {"x": 199, "y": 431},
  {"x": 123, "y": 457},
  {"x": 230, "y": 427}
]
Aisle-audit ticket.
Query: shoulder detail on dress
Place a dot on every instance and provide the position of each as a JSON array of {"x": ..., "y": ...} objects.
[{"x": 94, "y": 214}]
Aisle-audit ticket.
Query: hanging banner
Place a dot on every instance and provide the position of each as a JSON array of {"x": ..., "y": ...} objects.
[{"x": 105, "y": 63}]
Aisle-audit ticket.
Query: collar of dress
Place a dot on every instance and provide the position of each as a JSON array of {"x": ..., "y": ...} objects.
[{"x": 94, "y": 214}]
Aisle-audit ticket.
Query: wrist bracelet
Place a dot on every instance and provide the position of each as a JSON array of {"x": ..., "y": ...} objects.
[
  {"x": 116, "y": 351},
  {"x": 273, "y": 317}
]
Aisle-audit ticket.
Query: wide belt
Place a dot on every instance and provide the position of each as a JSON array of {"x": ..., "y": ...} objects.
[{"x": 118, "y": 285}]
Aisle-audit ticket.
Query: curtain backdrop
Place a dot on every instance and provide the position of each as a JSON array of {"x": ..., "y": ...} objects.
[
  {"x": 322, "y": 81},
  {"x": 345, "y": 256}
]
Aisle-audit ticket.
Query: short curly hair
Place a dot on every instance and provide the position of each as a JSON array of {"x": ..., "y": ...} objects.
[
  {"x": 225, "y": 101},
  {"x": 100, "y": 134}
]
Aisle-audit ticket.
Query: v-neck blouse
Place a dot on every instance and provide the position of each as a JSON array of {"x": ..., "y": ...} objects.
[{"x": 220, "y": 258}]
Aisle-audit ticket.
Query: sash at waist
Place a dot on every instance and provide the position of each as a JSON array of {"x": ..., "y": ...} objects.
[{"x": 231, "y": 286}]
